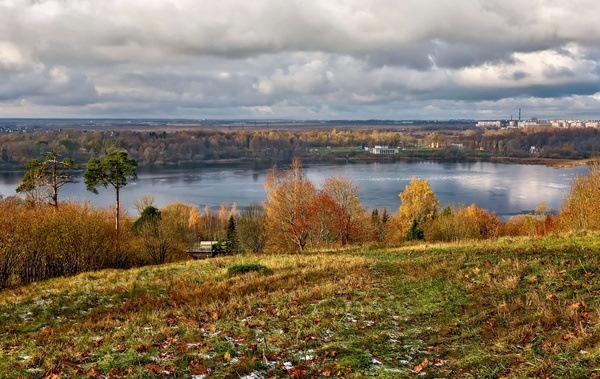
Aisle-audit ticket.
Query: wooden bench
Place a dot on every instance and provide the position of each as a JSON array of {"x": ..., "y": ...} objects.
[{"x": 201, "y": 250}]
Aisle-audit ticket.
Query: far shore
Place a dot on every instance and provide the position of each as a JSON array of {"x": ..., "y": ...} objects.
[
  {"x": 551, "y": 162},
  {"x": 333, "y": 159}
]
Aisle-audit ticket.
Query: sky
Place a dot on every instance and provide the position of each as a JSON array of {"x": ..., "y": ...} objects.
[{"x": 300, "y": 59}]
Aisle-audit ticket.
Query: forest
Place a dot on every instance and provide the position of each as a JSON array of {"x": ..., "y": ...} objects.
[
  {"x": 43, "y": 237},
  {"x": 266, "y": 147}
]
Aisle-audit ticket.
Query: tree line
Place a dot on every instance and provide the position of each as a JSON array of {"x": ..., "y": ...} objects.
[
  {"x": 41, "y": 237},
  {"x": 269, "y": 146}
]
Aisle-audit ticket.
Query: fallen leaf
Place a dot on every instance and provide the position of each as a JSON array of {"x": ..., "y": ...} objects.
[
  {"x": 197, "y": 368},
  {"x": 227, "y": 356},
  {"x": 116, "y": 373},
  {"x": 153, "y": 368},
  {"x": 93, "y": 373},
  {"x": 421, "y": 366}
]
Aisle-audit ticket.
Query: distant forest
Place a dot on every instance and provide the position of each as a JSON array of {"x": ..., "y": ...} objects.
[{"x": 270, "y": 146}]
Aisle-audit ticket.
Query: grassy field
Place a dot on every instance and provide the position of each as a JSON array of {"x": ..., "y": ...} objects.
[{"x": 506, "y": 308}]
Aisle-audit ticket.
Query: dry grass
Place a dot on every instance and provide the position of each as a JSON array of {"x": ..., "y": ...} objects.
[{"x": 505, "y": 308}]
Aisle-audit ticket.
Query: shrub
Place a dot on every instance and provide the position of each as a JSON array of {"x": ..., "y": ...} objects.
[
  {"x": 248, "y": 267},
  {"x": 462, "y": 223},
  {"x": 581, "y": 209}
]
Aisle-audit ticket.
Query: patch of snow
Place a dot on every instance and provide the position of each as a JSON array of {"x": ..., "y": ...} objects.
[
  {"x": 26, "y": 316},
  {"x": 253, "y": 375},
  {"x": 288, "y": 365}
]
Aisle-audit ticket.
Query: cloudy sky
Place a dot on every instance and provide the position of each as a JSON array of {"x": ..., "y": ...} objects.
[{"x": 306, "y": 59}]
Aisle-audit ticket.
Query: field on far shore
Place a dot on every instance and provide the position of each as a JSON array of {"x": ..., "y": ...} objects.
[{"x": 512, "y": 307}]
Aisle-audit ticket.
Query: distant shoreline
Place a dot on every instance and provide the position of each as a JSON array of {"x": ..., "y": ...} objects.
[{"x": 246, "y": 162}]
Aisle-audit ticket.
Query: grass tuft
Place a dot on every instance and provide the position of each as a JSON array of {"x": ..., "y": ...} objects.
[{"x": 245, "y": 268}]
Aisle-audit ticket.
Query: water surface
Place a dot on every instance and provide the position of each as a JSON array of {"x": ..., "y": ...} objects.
[{"x": 503, "y": 188}]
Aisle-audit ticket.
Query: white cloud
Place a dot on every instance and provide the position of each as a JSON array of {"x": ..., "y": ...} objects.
[{"x": 296, "y": 58}]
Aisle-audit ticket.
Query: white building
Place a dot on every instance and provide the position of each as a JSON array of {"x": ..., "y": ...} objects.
[
  {"x": 384, "y": 150},
  {"x": 592, "y": 124},
  {"x": 489, "y": 124},
  {"x": 533, "y": 122}
]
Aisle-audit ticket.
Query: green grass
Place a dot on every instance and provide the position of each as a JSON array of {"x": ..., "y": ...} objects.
[{"x": 514, "y": 308}]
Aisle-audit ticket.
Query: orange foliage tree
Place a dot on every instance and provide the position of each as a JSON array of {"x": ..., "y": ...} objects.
[
  {"x": 288, "y": 206},
  {"x": 345, "y": 195},
  {"x": 324, "y": 215}
]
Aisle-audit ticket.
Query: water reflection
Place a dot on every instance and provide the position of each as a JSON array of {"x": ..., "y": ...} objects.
[{"x": 505, "y": 189}]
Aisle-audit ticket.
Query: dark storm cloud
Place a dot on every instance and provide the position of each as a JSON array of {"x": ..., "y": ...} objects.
[{"x": 297, "y": 58}]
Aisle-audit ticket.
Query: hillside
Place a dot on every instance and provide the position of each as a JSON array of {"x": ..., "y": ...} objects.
[{"x": 505, "y": 308}]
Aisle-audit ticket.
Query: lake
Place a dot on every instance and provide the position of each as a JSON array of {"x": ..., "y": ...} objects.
[{"x": 506, "y": 189}]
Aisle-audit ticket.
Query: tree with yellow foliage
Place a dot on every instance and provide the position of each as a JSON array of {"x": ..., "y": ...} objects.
[
  {"x": 287, "y": 208},
  {"x": 418, "y": 204}
]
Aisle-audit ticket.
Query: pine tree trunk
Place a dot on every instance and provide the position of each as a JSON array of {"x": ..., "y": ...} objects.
[{"x": 117, "y": 211}]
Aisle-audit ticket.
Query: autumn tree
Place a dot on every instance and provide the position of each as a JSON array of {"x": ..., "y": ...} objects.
[
  {"x": 159, "y": 235},
  {"x": 43, "y": 179},
  {"x": 223, "y": 216},
  {"x": 114, "y": 170},
  {"x": 345, "y": 194},
  {"x": 195, "y": 223},
  {"x": 251, "y": 229},
  {"x": 457, "y": 223},
  {"x": 417, "y": 203},
  {"x": 37, "y": 243},
  {"x": 379, "y": 224},
  {"x": 143, "y": 202},
  {"x": 581, "y": 209},
  {"x": 324, "y": 220},
  {"x": 287, "y": 207},
  {"x": 11, "y": 241},
  {"x": 210, "y": 223}
]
